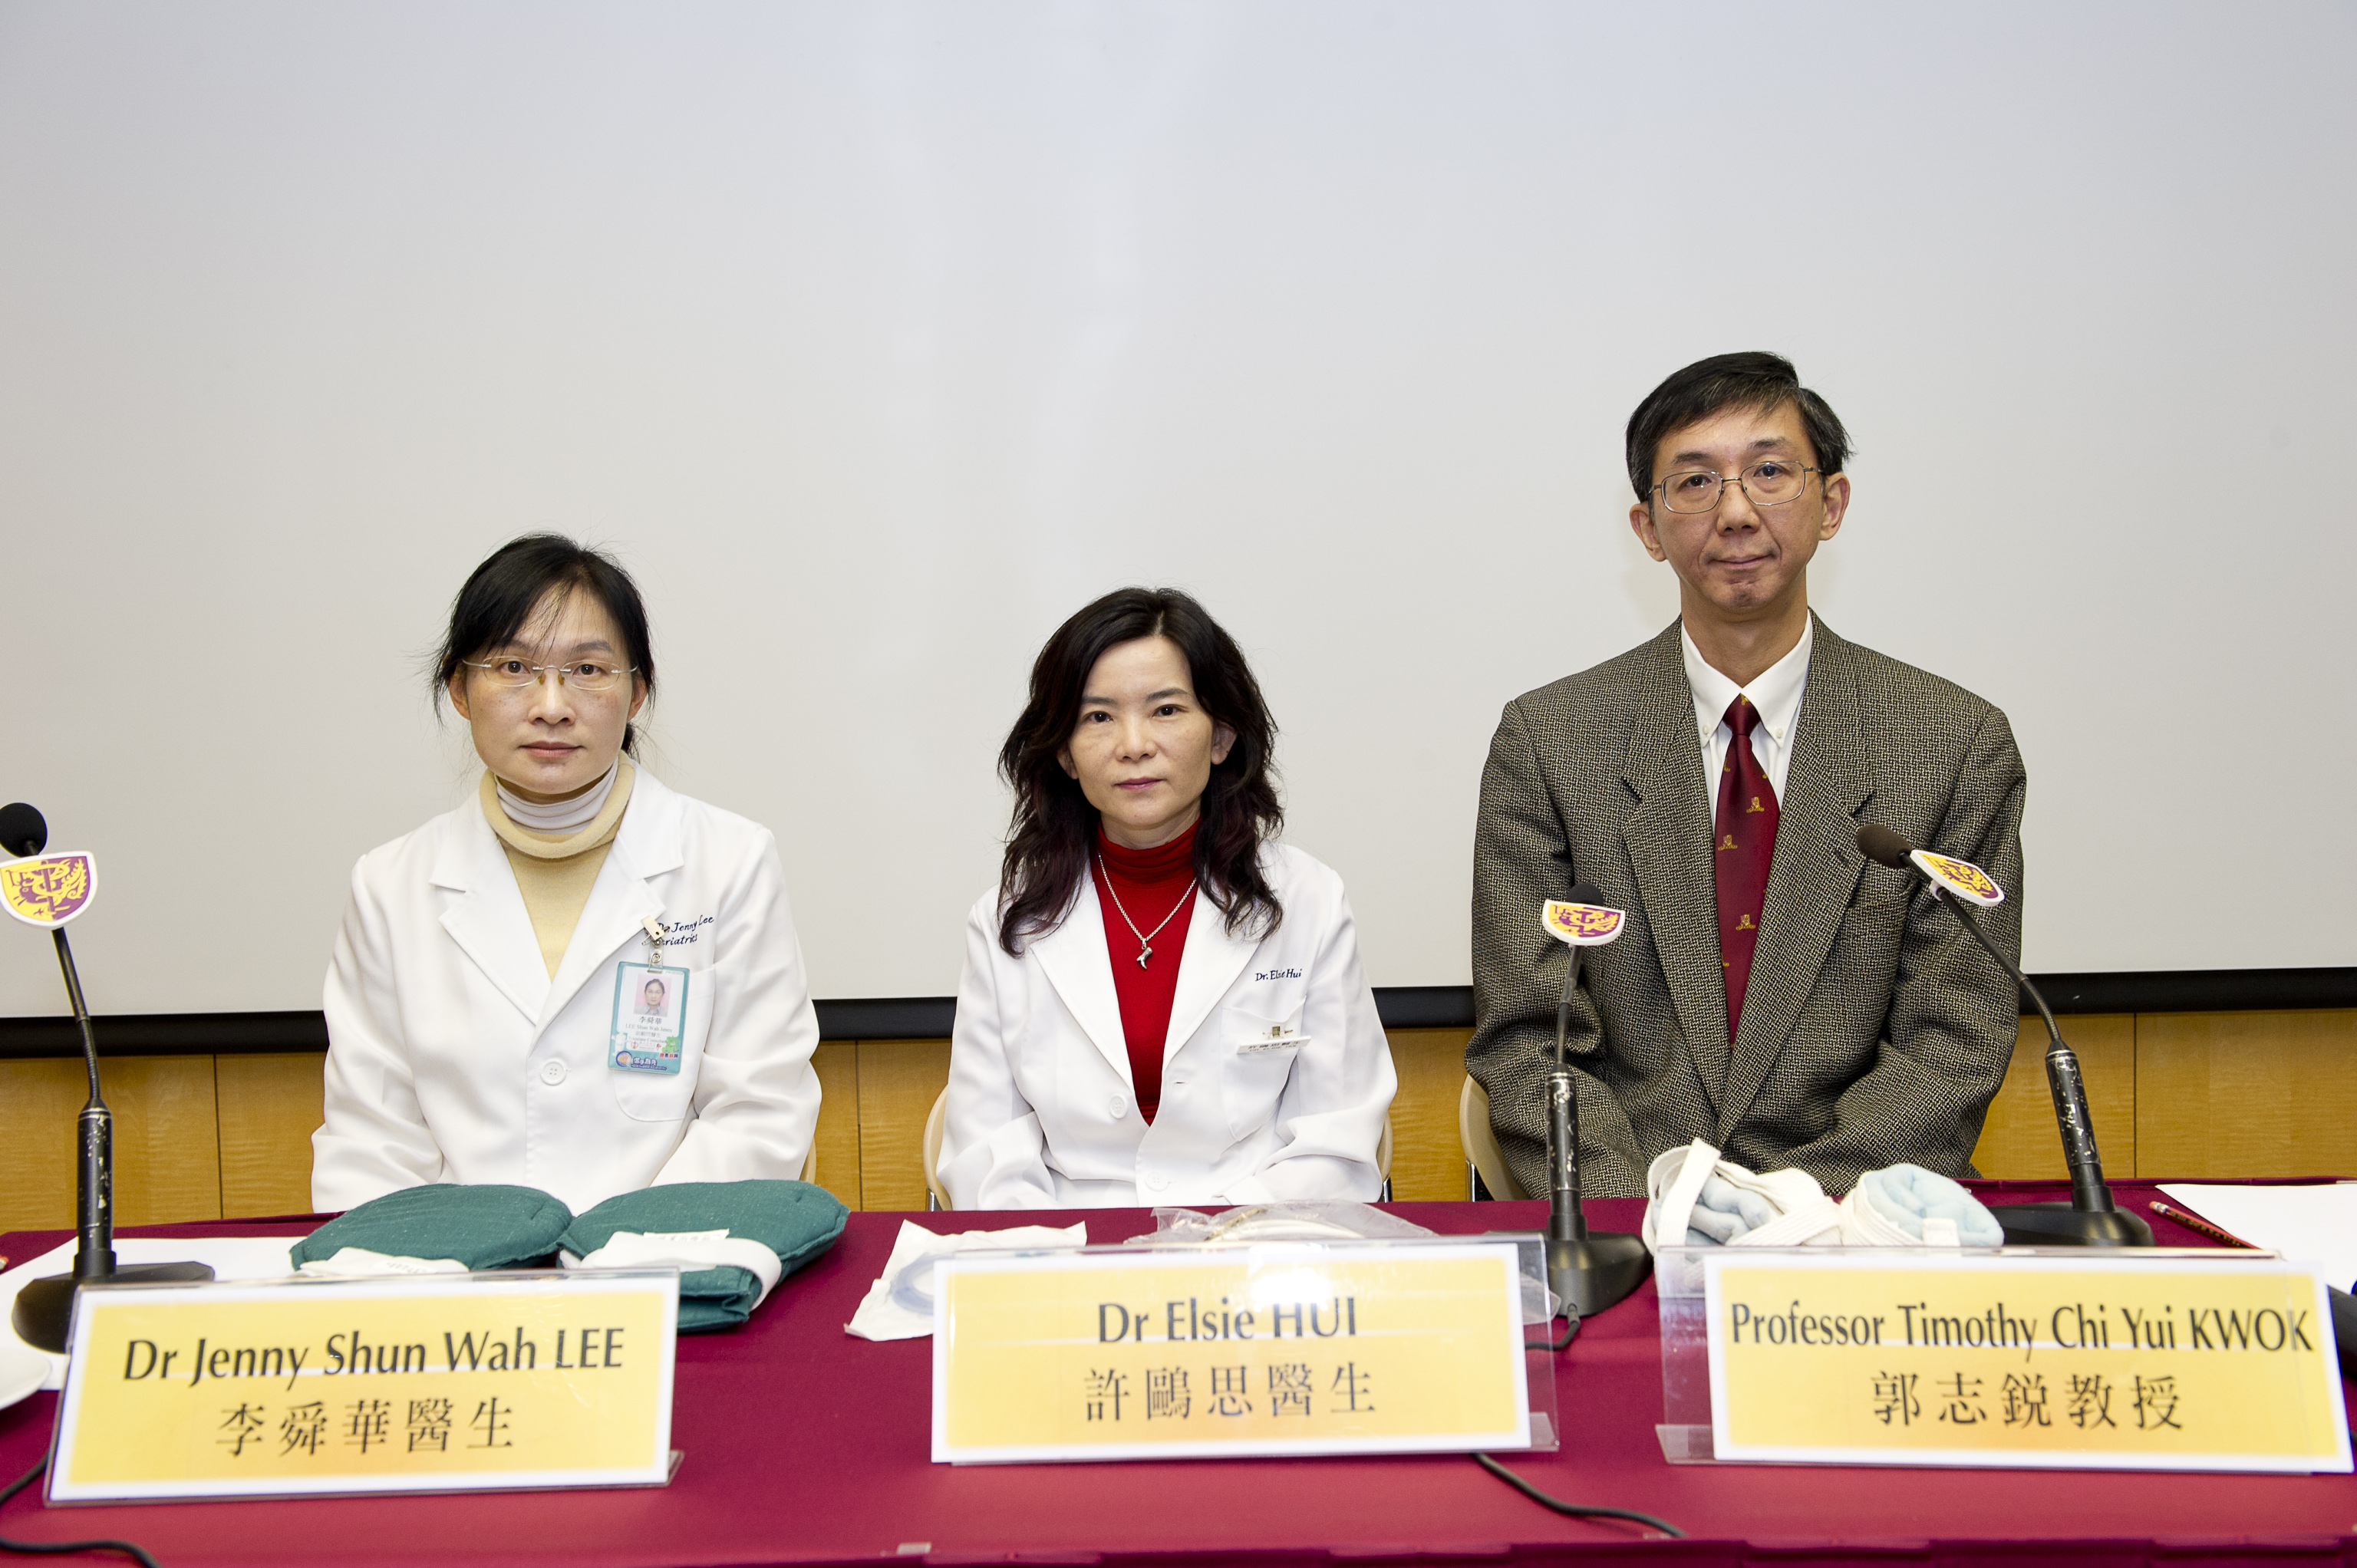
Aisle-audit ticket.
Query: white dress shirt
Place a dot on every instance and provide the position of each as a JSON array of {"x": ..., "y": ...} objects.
[{"x": 1776, "y": 695}]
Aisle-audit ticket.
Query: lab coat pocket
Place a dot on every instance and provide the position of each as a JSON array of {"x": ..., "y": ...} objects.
[
  {"x": 656, "y": 1096},
  {"x": 1260, "y": 1038}
]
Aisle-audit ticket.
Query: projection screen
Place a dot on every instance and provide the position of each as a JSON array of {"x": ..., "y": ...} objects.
[{"x": 875, "y": 338}]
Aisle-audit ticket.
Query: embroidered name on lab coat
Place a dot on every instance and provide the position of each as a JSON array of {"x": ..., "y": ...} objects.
[{"x": 685, "y": 932}]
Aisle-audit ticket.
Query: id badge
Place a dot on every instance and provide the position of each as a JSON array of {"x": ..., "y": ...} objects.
[
  {"x": 1279, "y": 1038},
  {"x": 650, "y": 1007}
]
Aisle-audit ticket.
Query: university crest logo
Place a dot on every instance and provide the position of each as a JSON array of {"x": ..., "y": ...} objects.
[
  {"x": 1581, "y": 925},
  {"x": 1961, "y": 878},
  {"x": 48, "y": 889}
]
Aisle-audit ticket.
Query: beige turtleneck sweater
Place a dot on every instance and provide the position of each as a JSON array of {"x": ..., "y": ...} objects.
[{"x": 556, "y": 871}]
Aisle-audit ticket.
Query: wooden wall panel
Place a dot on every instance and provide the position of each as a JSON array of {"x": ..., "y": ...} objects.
[
  {"x": 2234, "y": 1094},
  {"x": 38, "y": 1103},
  {"x": 166, "y": 1140},
  {"x": 2196, "y": 1094},
  {"x": 899, "y": 1081},
  {"x": 270, "y": 1106},
  {"x": 1426, "y": 1164},
  {"x": 837, "y": 1064},
  {"x": 2019, "y": 1138}
]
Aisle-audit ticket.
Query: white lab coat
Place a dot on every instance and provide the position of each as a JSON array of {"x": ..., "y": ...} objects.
[
  {"x": 453, "y": 1056},
  {"x": 1042, "y": 1110}
]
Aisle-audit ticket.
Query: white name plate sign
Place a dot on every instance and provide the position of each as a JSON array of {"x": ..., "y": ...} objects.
[
  {"x": 437, "y": 1382},
  {"x": 1273, "y": 1350},
  {"x": 1880, "y": 1356}
]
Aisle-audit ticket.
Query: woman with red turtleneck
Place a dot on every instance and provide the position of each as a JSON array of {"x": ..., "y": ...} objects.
[{"x": 1161, "y": 1004}]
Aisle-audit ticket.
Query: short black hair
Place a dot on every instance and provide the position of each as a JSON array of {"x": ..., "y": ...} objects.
[
  {"x": 500, "y": 595},
  {"x": 1758, "y": 381}
]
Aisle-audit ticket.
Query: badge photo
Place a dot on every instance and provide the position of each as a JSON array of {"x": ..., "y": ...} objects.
[{"x": 650, "y": 1014}]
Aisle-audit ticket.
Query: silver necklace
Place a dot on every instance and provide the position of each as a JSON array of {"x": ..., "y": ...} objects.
[{"x": 1145, "y": 939}]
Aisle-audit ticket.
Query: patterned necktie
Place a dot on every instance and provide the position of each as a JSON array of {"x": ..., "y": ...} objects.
[{"x": 1745, "y": 839}]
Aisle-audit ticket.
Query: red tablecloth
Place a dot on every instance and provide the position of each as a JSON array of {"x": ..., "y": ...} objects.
[{"x": 803, "y": 1445}]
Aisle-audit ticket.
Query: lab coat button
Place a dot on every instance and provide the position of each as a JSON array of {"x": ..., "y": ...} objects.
[
  {"x": 1157, "y": 1182},
  {"x": 1119, "y": 1106},
  {"x": 552, "y": 1073}
]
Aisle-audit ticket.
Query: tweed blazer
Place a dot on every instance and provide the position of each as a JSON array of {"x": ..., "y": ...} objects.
[{"x": 1873, "y": 1031}]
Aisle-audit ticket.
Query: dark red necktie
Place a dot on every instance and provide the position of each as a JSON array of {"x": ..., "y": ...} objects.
[{"x": 1745, "y": 839}]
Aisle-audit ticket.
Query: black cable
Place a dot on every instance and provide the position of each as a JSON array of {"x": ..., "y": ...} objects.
[
  {"x": 1570, "y": 1332},
  {"x": 60, "y": 1548},
  {"x": 1577, "y": 1510}
]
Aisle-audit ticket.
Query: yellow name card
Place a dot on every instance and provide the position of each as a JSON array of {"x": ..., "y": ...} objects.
[
  {"x": 2202, "y": 1362},
  {"x": 438, "y": 1382},
  {"x": 1272, "y": 1349}
]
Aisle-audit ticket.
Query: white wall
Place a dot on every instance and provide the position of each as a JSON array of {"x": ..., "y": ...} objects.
[{"x": 879, "y": 337}]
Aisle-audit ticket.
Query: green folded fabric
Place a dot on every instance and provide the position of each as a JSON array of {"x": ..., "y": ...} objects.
[
  {"x": 792, "y": 1219},
  {"x": 482, "y": 1227}
]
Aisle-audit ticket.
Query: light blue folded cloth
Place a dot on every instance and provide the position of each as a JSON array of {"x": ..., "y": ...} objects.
[
  {"x": 1723, "y": 1212},
  {"x": 1906, "y": 1195}
]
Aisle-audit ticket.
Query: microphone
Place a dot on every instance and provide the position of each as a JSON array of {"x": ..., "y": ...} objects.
[
  {"x": 22, "y": 831},
  {"x": 2090, "y": 1219},
  {"x": 1589, "y": 1272},
  {"x": 51, "y": 891}
]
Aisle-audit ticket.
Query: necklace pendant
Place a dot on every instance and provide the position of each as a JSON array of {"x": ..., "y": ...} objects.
[{"x": 1143, "y": 954}]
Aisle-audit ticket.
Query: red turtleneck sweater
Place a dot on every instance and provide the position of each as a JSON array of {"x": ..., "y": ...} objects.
[{"x": 1151, "y": 883}]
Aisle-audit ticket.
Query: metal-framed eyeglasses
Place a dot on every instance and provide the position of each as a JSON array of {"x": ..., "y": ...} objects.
[
  {"x": 1772, "y": 481},
  {"x": 591, "y": 677}
]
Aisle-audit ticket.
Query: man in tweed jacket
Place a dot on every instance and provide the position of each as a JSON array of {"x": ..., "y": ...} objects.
[{"x": 1872, "y": 1031}]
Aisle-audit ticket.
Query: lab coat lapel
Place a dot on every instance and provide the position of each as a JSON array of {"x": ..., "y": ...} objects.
[
  {"x": 1078, "y": 964},
  {"x": 1813, "y": 876},
  {"x": 1668, "y": 841},
  {"x": 1207, "y": 969},
  {"x": 489, "y": 921},
  {"x": 620, "y": 900}
]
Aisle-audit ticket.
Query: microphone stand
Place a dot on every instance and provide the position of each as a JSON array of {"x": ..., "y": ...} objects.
[
  {"x": 1587, "y": 1271},
  {"x": 44, "y": 1310},
  {"x": 2089, "y": 1220}
]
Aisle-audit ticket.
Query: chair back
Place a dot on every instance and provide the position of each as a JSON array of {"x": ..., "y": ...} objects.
[{"x": 1480, "y": 1143}]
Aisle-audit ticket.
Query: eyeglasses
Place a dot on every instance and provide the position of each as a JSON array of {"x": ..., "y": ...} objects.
[
  {"x": 1768, "y": 483},
  {"x": 588, "y": 676}
]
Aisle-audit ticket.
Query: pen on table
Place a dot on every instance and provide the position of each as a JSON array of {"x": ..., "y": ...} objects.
[{"x": 2202, "y": 1226}]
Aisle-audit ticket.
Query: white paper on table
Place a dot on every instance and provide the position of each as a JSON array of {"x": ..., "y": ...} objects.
[
  {"x": 881, "y": 1317},
  {"x": 2306, "y": 1224},
  {"x": 231, "y": 1257}
]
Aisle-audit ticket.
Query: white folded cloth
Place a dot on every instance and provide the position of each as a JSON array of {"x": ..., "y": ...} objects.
[
  {"x": 1303, "y": 1219},
  {"x": 686, "y": 1250},
  {"x": 360, "y": 1263},
  {"x": 1700, "y": 1200},
  {"x": 900, "y": 1304}
]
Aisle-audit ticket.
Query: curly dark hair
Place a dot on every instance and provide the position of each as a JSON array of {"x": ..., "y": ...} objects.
[{"x": 1055, "y": 827}]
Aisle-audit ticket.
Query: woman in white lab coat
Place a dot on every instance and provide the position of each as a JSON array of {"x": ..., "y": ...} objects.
[
  {"x": 490, "y": 1012},
  {"x": 1161, "y": 1004}
]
